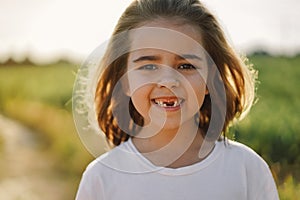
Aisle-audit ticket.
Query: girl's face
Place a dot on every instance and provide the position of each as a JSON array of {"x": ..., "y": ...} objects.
[{"x": 167, "y": 73}]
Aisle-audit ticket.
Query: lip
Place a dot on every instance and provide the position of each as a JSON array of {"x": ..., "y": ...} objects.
[{"x": 162, "y": 102}]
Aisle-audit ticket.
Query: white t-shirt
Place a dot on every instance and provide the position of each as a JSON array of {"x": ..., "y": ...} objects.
[{"x": 231, "y": 172}]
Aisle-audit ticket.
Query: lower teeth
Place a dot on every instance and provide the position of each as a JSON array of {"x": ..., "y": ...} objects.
[{"x": 167, "y": 105}]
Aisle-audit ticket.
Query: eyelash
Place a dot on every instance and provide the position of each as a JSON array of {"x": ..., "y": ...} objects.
[
  {"x": 190, "y": 67},
  {"x": 148, "y": 67},
  {"x": 180, "y": 67}
]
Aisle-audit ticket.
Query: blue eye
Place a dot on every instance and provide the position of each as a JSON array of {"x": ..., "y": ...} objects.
[
  {"x": 148, "y": 67},
  {"x": 187, "y": 67}
]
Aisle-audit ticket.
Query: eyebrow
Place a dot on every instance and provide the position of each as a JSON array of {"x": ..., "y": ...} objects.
[
  {"x": 178, "y": 57},
  {"x": 189, "y": 56},
  {"x": 147, "y": 58}
]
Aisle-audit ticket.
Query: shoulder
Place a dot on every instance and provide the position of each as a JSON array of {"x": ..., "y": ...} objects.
[
  {"x": 244, "y": 158},
  {"x": 96, "y": 174},
  {"x": 238, "y": 147},
  {"x": 260, "y": 182},
  {"x": 243, "y": 153},
  {"x": 92, "y": 183},
  {"x": 108, "y": 159},
  {"x": 121, "y": 159}
]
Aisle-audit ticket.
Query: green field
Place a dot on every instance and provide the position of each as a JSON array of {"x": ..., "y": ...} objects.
[{"x": 40, "y": 98}]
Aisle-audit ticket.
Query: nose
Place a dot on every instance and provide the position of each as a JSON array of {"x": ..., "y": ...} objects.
[
  {"x": 168, "y": 83},
  {"x": 168, "y": 78}
]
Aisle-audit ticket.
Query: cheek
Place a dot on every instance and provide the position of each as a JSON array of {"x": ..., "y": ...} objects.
[
  {"x": 141, "y": 100},
  {"x": 201, "y": 95},
  {"x": 137, "y": 81},
  {"x": 198, "y": 90}
]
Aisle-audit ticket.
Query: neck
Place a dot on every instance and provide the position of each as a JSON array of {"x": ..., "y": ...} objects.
[{"x": 170, "y": 145}]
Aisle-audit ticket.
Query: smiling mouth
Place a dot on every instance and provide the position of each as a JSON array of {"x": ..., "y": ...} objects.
[{"x": 169, "y": 102}]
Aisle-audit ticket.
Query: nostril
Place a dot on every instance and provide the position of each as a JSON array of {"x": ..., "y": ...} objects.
[{"x": 169, "y": 83}]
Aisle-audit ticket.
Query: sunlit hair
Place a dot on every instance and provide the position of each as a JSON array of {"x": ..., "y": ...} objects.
[{"x": 238, "y": 78}]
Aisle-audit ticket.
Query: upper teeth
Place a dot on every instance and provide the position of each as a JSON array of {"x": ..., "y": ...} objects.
[{"x": 167, "y": 103}]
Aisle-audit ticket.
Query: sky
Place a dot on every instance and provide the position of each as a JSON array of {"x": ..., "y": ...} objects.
[{"x": 46, "y": 30}]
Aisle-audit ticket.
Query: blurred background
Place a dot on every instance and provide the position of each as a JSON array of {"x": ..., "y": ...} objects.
[{"x": 43, "y": 43}]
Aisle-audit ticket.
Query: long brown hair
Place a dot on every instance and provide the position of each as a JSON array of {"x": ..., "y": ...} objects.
[{"x": 237, "y": 77}]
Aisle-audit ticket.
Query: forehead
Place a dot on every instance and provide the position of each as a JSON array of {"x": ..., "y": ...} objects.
[{"x": 168, "y": 36}]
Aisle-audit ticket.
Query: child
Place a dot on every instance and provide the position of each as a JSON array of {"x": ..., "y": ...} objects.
[{"x": 169, "y": 89}]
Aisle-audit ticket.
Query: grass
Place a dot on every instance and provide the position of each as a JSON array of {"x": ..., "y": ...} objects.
[
  {"x": 289, "y": 190},
  {"x": 39, "y": 97},
  {"x": 272, "y": 127},
  {"x": 48, "y": 84}
]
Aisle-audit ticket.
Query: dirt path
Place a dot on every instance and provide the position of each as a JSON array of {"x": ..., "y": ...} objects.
[{"x": 25, "y": 170}]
